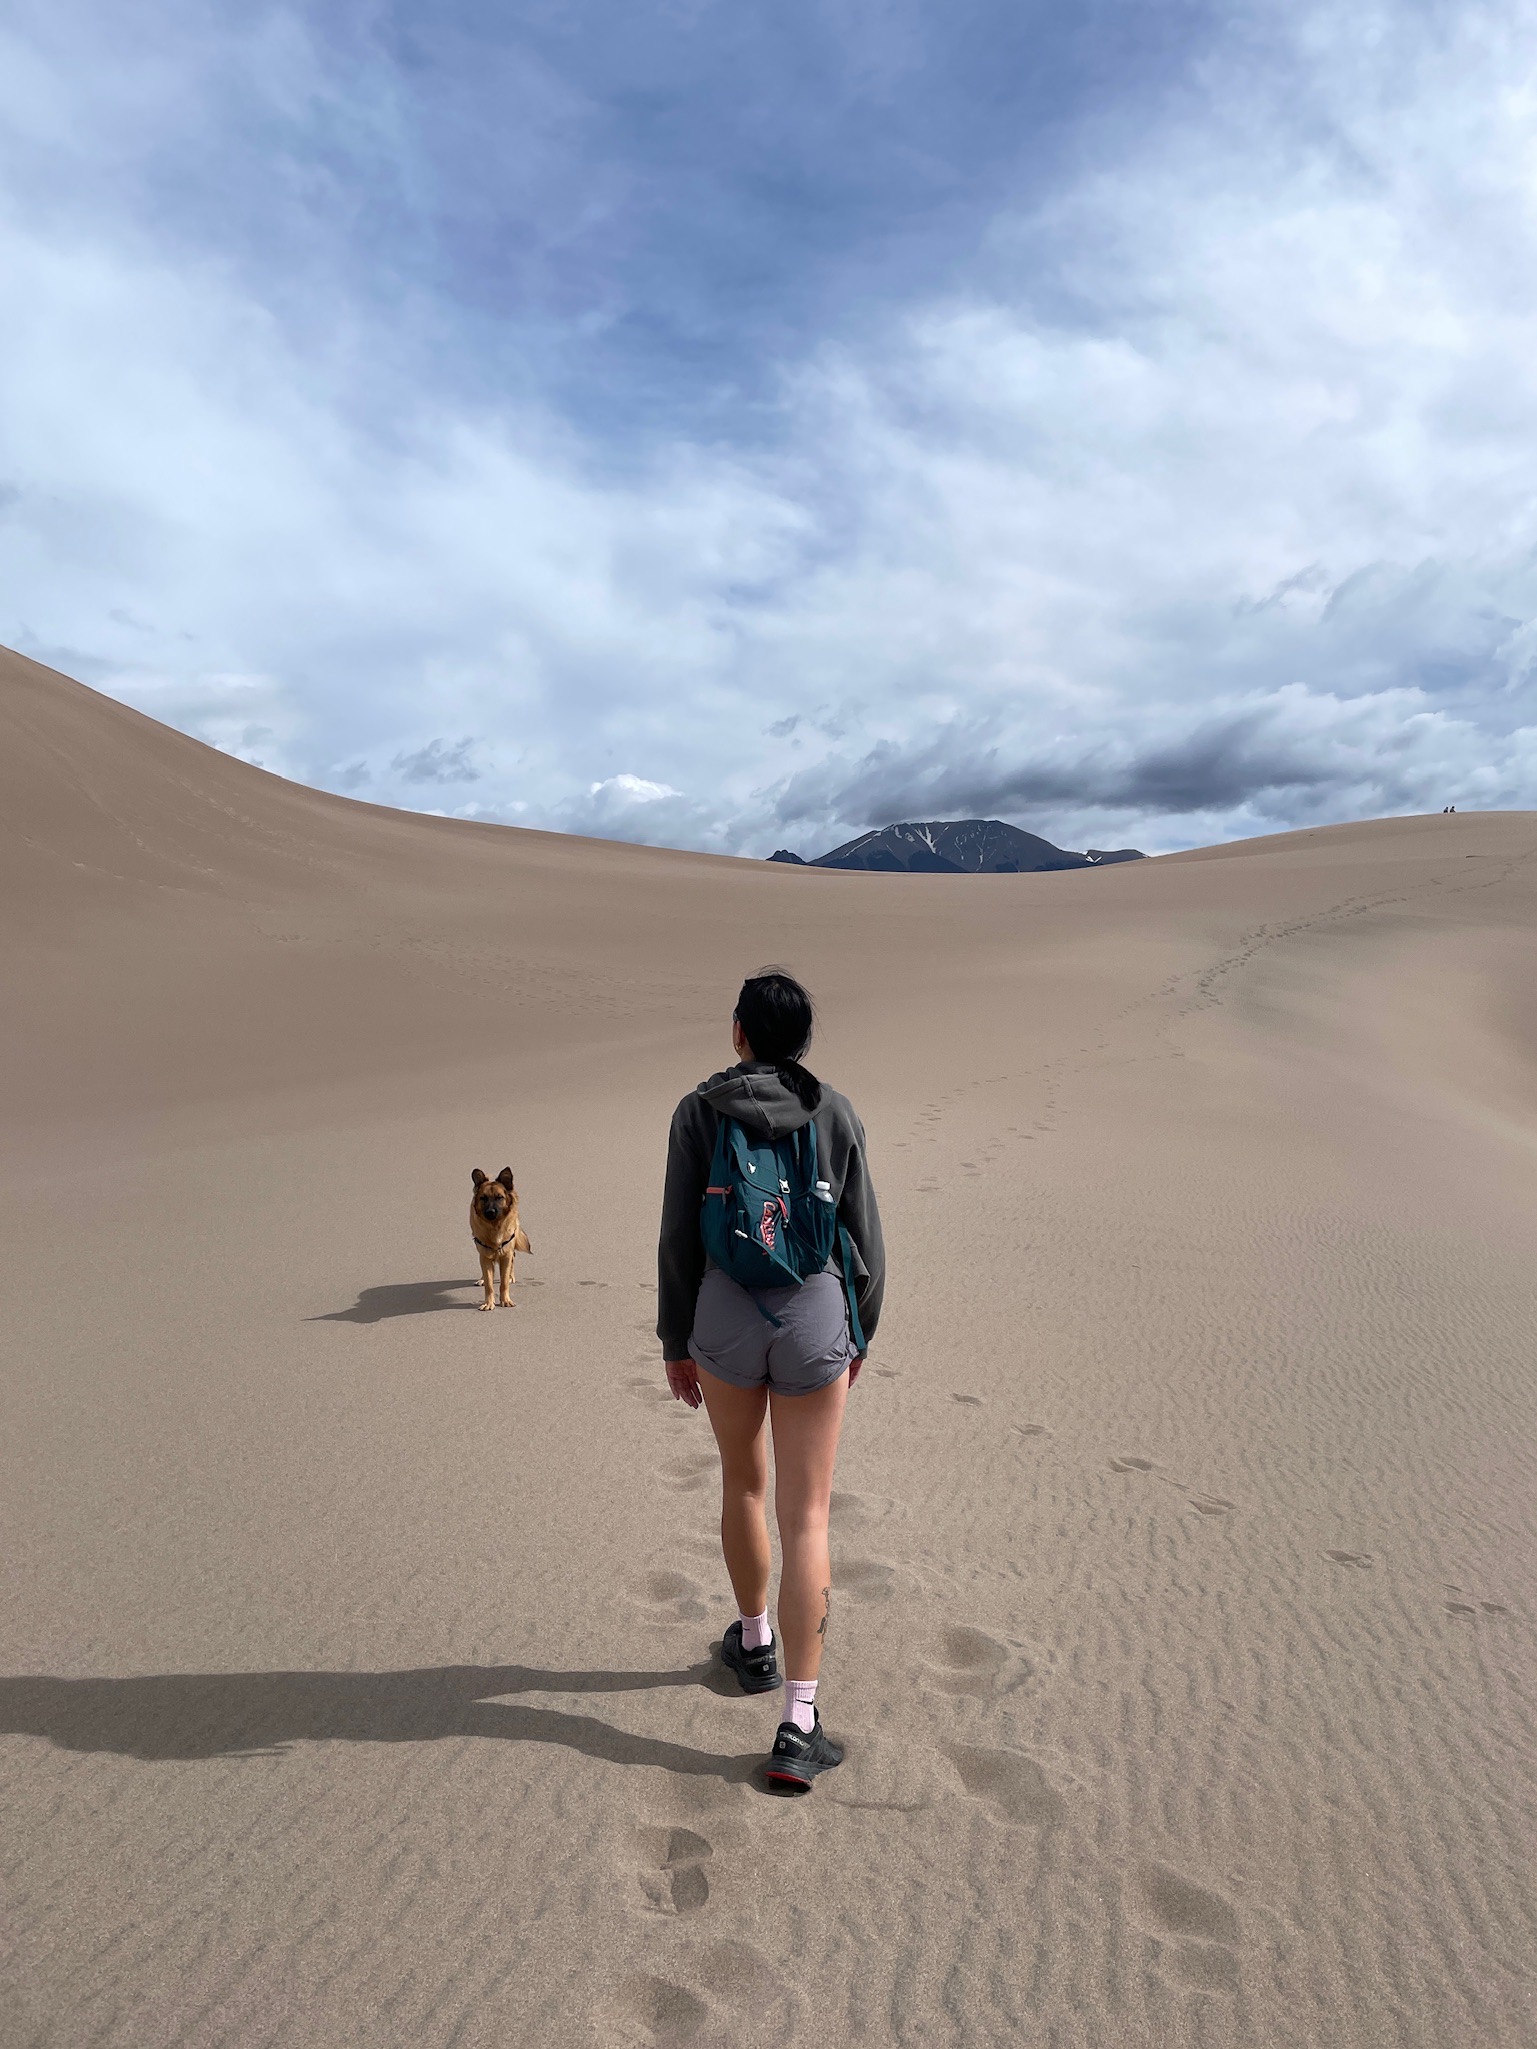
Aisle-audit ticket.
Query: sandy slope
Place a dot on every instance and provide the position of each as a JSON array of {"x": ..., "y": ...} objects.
[{"x": 354, "y": 1665}]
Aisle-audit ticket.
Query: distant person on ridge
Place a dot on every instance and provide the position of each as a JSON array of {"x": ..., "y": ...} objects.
[{"x": 771, "y": 1271}]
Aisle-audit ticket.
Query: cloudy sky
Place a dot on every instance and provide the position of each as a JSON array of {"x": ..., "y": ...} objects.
[{"x": 734, "y": 426}]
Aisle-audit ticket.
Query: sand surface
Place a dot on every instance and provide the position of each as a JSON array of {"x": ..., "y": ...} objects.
[{"x": 354, "y": 1658}]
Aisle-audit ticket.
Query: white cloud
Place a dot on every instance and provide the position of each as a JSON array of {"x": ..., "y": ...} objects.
[{"x": 633, "y": 787}]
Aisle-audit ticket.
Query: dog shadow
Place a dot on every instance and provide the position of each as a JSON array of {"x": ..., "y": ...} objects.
[
  {"x": 185, "y": 1717},
  {"x": 401, "y": 1298}
]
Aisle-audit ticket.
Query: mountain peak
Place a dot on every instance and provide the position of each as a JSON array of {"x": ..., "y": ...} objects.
[{"x": 957, "y": 846}]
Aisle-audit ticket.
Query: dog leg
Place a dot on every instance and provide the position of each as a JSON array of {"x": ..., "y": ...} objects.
[
  {"x": 506, "y": 1263},
  {"x": 487, "y": 1282}
]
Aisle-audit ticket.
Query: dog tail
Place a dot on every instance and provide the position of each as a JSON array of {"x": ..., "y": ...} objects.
[{"x": 520, "y": 1242}]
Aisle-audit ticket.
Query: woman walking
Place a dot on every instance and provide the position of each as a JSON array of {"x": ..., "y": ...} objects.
[{"x": 778, "y": 1358}]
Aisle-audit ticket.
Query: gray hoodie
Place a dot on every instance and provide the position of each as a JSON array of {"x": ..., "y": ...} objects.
[{"x": 754, "y": 1095}]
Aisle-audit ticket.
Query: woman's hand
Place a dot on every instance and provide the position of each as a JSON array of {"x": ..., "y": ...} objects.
[
  {"x": 854, "y": 1366},
  {"x": 683, "y": 1379}
]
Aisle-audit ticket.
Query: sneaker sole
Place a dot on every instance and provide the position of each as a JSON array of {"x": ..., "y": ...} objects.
[
  {"x": 793, "y": 1778},
  {"x": 783, "y": 1781}
]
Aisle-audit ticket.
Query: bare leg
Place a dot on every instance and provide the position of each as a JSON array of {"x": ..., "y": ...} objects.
[
  {"x": 737, "y": 1418},
  {"x": 806, "y": 1430}
]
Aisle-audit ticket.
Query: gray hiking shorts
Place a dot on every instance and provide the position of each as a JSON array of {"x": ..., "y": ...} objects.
[{"x": 736, "y": 1343}]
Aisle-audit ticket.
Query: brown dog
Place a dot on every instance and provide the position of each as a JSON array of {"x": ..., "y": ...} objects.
[{"x": 497, "y": 1233}]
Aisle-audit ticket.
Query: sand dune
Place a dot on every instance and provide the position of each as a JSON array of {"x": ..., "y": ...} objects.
[{"x": 354, "y": 1687}]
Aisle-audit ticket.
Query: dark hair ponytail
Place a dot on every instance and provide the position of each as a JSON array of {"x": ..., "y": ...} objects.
[{"x": 777, "y": 1019}]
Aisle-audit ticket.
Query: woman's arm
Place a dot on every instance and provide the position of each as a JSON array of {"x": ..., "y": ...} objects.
[
  {"x": 680, "y": 1249},
  {"x": 861, "y": 1217}
]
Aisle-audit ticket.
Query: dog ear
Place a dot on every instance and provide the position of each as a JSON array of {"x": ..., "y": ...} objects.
[
  {"x": 505, "y": 1177},
  {"x": 477, "y": 1175}
]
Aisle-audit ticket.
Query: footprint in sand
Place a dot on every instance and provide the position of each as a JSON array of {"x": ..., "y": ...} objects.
[
  {"x": 658, "y": 2013},
  {"x": 1011, "y": 1786},
  {"x": 689, "y": 1472},
  {"x": 649, "y": 1390},
  {"x": 1359, "y": 1561},
  {"x": 741, "y": 1966},
  {"x": 970, "y": 1401},
  {"x": 670, "y": 1595},
  {"x": 672, "y": 1872},
  {"x": 1202, "y": 1924},
  {"x": 1029, "y": 1429},
  {"x": 867, "y": 1579},
  {"x": 966, "y": 1660},
  {"x": 1211, "y": 1504},
  {"x": 853, "y": 1509},
  {"x": 1131, "y": 1465},
  {"x": 888, "y": 1372}
]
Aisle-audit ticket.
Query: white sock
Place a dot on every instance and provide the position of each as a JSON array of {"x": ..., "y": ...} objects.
[
  {"x": 801, "y": 1704},
  {"x": 755, "y": 1631}
]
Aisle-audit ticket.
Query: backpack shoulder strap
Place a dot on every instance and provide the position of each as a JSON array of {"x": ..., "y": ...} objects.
[
  {"x": 720, "y": 1156},
  {"x": 846, "y": 1255}
]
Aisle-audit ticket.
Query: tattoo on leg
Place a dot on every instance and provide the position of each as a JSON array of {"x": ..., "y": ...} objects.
[{"x": 827, "y": 1609}]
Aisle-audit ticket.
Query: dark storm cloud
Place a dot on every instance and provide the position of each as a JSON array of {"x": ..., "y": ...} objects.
[
  {"x": 1419, "y": 690},
  {"x": 640, "y": 208},
  {"x": 1215, "y": 768},
  {"x": 709, "y": 184},
  {"x": 1295, "y": 757},
  {"x": 437, "y": 762},
  {"x": 1218, "y": 765}
]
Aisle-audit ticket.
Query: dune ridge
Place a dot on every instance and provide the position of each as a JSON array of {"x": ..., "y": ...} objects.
[{"x": 355, "y": 1684}]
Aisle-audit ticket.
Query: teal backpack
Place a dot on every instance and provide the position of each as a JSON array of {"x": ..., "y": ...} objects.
[{"x": 767, "y": 1221}]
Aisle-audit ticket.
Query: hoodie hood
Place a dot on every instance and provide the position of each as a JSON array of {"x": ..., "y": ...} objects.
[{"x": 755, "y": 1096}]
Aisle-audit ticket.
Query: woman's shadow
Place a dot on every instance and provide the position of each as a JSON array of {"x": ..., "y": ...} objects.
[{"x": 183, "y": 1716}]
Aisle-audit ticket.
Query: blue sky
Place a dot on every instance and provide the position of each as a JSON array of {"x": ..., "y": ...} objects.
[{"x": 736, "y": 427}]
